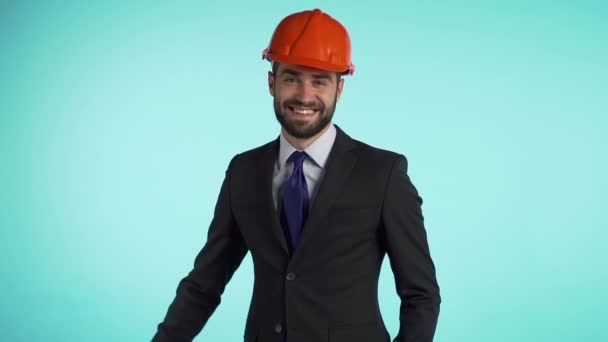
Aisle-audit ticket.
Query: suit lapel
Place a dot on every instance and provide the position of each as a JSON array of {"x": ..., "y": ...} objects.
[
  {"x": 339, "y": 165},
  {"x": 268, "y": 161}
]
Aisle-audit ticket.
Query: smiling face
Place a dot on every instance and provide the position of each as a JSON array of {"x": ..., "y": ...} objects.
[{"x": 304, "y": 99}]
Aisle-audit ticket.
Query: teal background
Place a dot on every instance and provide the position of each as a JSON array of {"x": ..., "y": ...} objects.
[{"x": 118, "y": 119}]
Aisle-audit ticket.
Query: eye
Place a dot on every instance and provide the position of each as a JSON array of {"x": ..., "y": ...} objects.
[
  {"x": 319, "y": 83},
  {"x": 289, "y": 80}
]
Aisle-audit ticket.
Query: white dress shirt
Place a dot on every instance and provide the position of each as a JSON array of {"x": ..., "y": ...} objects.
[{"x": 314, "y": 165}]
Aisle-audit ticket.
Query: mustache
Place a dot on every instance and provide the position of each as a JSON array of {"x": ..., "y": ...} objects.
[{"x": 311, "y": 104}]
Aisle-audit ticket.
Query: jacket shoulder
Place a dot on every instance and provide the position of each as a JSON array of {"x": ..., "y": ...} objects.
[
  {"x": 373, "y": 154},
  {"x": 254, "y": 155}
]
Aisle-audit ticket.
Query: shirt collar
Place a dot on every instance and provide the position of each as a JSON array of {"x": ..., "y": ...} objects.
[{"x": 318, "y": 151}]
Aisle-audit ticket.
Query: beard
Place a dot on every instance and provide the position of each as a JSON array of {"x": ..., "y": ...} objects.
[{"x": 304, "y": 129}]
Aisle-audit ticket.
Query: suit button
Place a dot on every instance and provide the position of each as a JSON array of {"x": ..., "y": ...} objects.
[
  {"x": 278, "y": 328},
  {"x": 291, "y": 276}
]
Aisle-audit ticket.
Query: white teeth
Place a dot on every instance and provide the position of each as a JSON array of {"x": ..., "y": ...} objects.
[{"x": 304, "y": 111}]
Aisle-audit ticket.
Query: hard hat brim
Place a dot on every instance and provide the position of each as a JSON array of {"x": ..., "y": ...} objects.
[{"x": 297, "y": 60}]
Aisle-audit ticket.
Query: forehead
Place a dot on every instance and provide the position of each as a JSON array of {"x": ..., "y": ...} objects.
[{"x": 301, "y": 69}]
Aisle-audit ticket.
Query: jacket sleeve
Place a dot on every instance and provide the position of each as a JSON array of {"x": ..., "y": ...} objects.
[
  {"x": 410, "y": 259},
  {"x": 198, "y": 294}
]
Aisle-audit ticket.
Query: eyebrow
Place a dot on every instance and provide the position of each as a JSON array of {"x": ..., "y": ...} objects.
[{"x": 315, "y": 76}]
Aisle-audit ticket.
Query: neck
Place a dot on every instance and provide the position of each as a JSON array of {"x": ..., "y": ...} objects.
[{"x": 303, "y": 143}]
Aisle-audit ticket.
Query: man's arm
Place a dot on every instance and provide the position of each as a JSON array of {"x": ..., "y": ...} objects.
[
  {"x": 198, "y": 294},
  {"x": 410, "y": 258}
]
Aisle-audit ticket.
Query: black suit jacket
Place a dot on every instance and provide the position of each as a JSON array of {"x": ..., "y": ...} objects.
[{"x": 327, "y": 290}]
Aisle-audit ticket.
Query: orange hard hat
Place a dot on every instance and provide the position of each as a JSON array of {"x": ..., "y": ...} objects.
[{"x": 311, "y": 38}]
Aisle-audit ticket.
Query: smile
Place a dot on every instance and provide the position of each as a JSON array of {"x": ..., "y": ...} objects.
[{"x": 303, "y": 111}]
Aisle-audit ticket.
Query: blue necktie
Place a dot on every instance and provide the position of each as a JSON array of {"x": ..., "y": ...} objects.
[{"x": 295, "y": 198}]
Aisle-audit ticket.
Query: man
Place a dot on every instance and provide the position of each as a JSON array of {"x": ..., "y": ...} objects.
[{"x": 318, "y": 211}]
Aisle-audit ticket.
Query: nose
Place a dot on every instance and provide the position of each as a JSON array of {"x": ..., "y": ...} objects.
[{"x": 305, "y": 92}]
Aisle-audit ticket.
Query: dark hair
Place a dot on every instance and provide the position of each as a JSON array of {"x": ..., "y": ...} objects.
[{"x": 275, "y": 67}]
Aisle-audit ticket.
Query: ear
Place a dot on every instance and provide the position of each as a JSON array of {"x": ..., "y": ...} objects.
[
  {"x": 340, "y": 87},
  {"x": 271, "y": 83}
]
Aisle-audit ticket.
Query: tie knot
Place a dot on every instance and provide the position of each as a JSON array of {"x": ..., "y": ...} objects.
[{"x": 298, "y": 158}]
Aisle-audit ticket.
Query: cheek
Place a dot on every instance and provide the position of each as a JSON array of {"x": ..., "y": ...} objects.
[
  {"x": 328, "y": 98},
  {"x": 279, "y": 98},
  {"x": 282, "y": 94}
]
